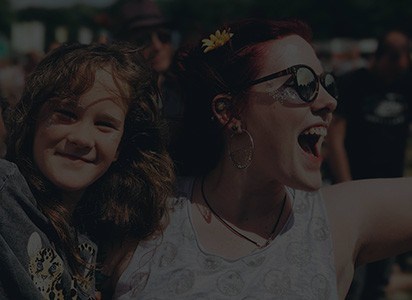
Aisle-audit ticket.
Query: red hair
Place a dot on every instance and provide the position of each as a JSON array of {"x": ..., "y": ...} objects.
[{"x": 223, "y": 70}]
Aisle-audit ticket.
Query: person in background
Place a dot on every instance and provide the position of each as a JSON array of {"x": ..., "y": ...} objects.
[
  {"x": 142, "y": 23},
  {"x": 251, "y": 220},
  {"x": 85, "y": 156},
  {"x": 368, "y": 135}
]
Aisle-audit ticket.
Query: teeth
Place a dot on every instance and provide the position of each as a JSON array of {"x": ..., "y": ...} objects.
[{"x": 320, "y": 130}]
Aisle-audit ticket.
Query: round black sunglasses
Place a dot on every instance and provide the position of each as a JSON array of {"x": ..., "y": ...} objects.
[{"x": 305, "y": 81}]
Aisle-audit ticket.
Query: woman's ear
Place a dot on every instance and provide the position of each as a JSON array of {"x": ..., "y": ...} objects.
[{"x": 225, "y": 112}]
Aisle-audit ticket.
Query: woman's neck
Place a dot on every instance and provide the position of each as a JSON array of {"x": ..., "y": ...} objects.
[{"x": 242, "y": 196}]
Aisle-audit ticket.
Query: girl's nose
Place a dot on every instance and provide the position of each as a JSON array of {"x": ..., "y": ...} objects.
[{"x": 81, "y": 136}]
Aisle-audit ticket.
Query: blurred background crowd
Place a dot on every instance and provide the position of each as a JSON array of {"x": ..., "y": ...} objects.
[{"x": 346, "y": 37}]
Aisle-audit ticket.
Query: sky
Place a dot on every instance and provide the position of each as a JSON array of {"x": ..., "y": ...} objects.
[{"x": 17, "y": 4}]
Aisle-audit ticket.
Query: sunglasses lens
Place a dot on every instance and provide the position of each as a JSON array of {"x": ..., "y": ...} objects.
[
  {"x": 329, "y": 83},
  {"x": 145, "y": 38},
  {"x": 165, "y": 36},
  {"x": 306, "y": 84}
]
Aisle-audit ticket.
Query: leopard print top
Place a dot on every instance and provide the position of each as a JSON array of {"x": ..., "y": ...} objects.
[{"x": 46, "y": 269}]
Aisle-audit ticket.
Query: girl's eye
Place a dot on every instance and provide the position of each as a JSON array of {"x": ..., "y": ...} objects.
[
  {"x": 106, "y": 124},
  {"x": 65, "y": 115}
]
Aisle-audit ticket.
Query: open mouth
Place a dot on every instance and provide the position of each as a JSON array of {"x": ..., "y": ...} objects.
[{"x": 311, "y": 139}]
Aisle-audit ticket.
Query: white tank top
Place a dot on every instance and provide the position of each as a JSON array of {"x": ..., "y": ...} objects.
[{"x": 298, "y": 264}]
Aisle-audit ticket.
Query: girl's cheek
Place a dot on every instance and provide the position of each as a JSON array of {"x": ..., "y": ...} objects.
[{"x": 114, "y": 137}]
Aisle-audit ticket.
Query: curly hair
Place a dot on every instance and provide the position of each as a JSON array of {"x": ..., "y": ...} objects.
[{"x": 129, "y": 199}]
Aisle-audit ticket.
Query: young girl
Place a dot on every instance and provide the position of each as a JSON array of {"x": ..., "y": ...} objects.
[
  {"x": 87, "y": 152},
  {"x": 253, "y": 221}
]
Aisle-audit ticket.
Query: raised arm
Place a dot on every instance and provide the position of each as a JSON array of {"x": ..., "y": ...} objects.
[{"x": 373, "y": 217}]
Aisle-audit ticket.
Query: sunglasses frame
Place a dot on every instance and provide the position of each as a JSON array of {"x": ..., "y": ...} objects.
[
  {"x": 293, "y": 71},
  {"x": 145, "y": 38}
]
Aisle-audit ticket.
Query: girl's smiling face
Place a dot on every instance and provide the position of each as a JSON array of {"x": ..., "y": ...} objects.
[
  {"x": 76, "y": 141},
  {"x": 288, "y": 133}
]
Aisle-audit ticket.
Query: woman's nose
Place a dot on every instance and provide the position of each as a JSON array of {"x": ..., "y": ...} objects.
[{"x": 324, "y": 101}]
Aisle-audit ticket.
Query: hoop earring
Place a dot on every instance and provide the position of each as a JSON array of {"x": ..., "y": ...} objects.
[{"x": 242, "y": 156}]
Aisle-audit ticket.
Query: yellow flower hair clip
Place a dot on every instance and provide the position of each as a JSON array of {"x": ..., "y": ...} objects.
[{"x": 216, "y": 40}]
